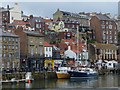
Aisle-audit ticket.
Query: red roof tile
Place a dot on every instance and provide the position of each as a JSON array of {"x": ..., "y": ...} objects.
[
  {"x": 48, "y": 20},
  {"x": 20, "y": 22},
  {"x": 47, "y": 44}
]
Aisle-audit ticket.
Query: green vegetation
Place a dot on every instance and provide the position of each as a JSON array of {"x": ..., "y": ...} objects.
[{"x": 91, "y": 41}]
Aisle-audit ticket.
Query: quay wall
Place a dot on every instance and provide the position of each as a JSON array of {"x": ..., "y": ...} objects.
[{"x": 35, "y": 75}]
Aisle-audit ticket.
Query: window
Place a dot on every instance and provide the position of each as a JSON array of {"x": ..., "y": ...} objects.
[
  {"x": 110, "y": 32},
  {"x": 0, "y": 55},
  {"x": 73, "y": 26},
  {"x": 46, "y": 55},
  {"x": 13, "y": 47},
  {"x": 16, "y": 46},
  {"x": 4, "y": 46},
  {"x": 32, "y": 51},
  {"x": 103, "y": 22},
  {"x": 9, "y": 46},
  {"x": 110, "y": 26},
  {"x": 4, "y": 55},
  {"x": 50, "y": 49},
  {"x": 106, "y": 27},
  {"x": 110, "y": 37},
  {"x": 10, "y": 55},
  {"x": 4, "y": 39},
  {"x": 16, "y": 39},
  {"x": 110, "y": 22},
  {"x": 115, "y": 41},
  {"x": 103, "y": 34},
  {"x": 109, "y": 64},
  {"x": 37, "y": 26},
  {"x": 106, "y": 32},
  {"x": 106, "y": 37},
  {"x": 36, "y": 51},
  {"x": 13, "y": 39},
  {"x": 111, "y": 41},
  {"x": 0, "y": 46},
  {"x": 103, "y": 26},
  {"x": 106, "y": 22},
  {"x": 68, "y": 26},
  {"x": 46, "y": 49},
  {"x": 41, "y": 50}
]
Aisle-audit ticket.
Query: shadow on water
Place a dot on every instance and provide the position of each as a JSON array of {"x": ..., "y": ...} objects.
[{"x": 98, "y": 82}]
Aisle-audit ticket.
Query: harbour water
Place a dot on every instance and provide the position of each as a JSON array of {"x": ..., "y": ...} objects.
[{"x": 104, "y": 81}]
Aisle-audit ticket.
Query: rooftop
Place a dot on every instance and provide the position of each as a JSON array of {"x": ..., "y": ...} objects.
[
  {"x": 47, "y": 44},
  {"x": 7, "y": 34},
  {"x": 102, "y": 17},
  {"x": 33, "y": 33},
  {"x": 105, "y": 46}
]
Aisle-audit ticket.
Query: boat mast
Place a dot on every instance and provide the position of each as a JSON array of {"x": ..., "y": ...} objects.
[{"x": 77, "y": 61}]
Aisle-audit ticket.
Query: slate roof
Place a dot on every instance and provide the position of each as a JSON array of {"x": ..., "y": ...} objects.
[
  {"x": 105, "y": 46},
  {"x": 33, "y": 33},
  {"x": 102, "y": 17},
  {"x": 71, "y": 14},
  {"x": 7, "y": 34}
]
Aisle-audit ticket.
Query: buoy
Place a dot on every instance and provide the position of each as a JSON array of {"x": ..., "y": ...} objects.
[{"x": 29, "y": 81}]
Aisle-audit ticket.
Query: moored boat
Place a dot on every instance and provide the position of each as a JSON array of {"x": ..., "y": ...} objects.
[
  {"x": 83, "y": 72},
  {"x": 28, "y": 77},
  {"x": 62, "y": 73}
]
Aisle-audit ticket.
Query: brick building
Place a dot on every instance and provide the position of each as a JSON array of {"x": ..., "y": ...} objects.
[
  {"x": 37, "y": 23},
  {"x": 10, "y": 14},
  {"x": 102, "y": 51},
  {"x": 31, "y": 52},
  {"x": 10, "y": 51},
  {"x": 104, "y": 29}
]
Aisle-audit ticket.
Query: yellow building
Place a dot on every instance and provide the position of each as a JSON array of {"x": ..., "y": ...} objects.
[{"x": 49, "y": 64}]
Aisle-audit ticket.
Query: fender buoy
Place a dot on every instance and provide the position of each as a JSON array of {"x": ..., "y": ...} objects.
[{"x": 29, "y": 81}]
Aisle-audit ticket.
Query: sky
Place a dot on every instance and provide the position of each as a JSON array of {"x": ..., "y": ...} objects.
[{"x": 46, "y": 9}]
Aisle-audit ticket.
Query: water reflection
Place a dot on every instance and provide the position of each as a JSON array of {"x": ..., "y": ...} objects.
[{"x": 101, "y": 81}]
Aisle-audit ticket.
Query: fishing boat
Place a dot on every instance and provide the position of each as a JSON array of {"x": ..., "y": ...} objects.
[
  {"x": 83, "y": 72},
  {"x": 62, "y": 73}
]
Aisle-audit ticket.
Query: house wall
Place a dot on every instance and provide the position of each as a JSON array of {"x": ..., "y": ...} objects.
[
  {"x": 15, "y": 13},
  {"x": 10, "y": 52},
  {"x": 70, "y": 54},
  {"x": 48, "y": 51},
  {"x": 108, "y": 34}
]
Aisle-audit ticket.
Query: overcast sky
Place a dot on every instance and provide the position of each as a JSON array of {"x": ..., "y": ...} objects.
[{"x": 46, "y": 9}]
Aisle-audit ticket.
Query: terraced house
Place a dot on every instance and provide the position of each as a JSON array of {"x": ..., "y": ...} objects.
[
  {"x": 104, "y": 28},
  {"x": 10, "y": 53},
  {"x": 102, "y": 52},
  {"x": 31, "y": 52}
]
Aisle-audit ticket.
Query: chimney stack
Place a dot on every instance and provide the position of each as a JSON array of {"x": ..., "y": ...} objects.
[{"x": 8, "y": 7}]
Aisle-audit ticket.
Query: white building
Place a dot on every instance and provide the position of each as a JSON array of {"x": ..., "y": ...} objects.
[
  {"x": 111, "y": 64},
  {"x": 70, "y": 54},
  {"x": 15, "y": 13},
  {"x": 48, "y": 50}
]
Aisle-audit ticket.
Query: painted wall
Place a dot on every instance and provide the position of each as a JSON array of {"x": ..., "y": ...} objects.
[
  {"x": 48, "y": 51},
  {"x": 15, "y": 13}
]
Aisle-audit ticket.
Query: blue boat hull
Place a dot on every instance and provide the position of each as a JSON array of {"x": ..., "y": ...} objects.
[{"x": 81, "y": 74}]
